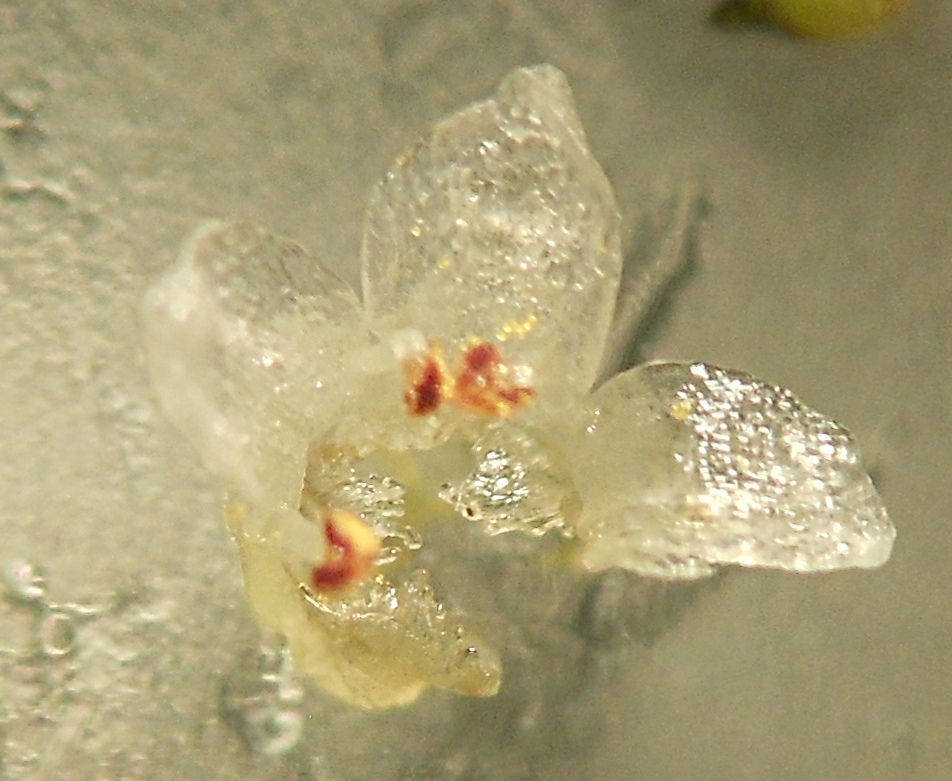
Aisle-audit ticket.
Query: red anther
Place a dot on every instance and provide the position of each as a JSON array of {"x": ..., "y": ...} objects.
[
  {"x": 481, "y": 385},
  {"x": 516, "y": 397},
  {"x": 352, "y": 548},
  {"x": 425, "y": 397},
  {"x": 482, "y": 358},
  {"x": 427, "y": 381}
]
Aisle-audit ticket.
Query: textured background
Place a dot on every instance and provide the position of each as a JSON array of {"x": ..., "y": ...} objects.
[{"x": 825, "y": 265}]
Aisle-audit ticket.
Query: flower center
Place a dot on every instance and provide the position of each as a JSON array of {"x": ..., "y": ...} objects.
[{"x": 482, "y": 382}]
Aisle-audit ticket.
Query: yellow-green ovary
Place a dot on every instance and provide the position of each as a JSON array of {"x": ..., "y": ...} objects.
[{"x": 821, "y": 18}]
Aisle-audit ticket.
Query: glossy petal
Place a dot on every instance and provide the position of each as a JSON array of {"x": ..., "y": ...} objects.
[
  {"x": 686, "y": 467},
  {"x": 500, "y": 226},
  {"x": 245, "y": 337},
  {"x": 514, "y": 486}
]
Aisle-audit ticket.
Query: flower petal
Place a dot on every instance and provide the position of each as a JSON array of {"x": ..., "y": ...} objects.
[
  {"x": 500, "y": 226},
  {"x": 685, "y": 467},
  {"x": 245, "y": 335},
  {"x": 513, "y": 486}
]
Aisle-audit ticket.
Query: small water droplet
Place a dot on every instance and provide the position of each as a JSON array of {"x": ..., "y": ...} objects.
[{"x": 57, "y": 635}]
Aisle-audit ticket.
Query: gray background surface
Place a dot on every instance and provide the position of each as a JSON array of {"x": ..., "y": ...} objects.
[{"x": 824, "y": 266}]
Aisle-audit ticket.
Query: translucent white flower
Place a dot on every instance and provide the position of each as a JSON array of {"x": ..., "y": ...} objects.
[{"x": 463, "y": 384}]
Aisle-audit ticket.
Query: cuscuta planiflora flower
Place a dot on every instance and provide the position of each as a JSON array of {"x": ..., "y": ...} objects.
[{"x": 461, "y": 385}]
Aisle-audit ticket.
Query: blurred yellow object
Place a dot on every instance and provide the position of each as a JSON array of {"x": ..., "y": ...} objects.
[{"x": 817, "y": 19}]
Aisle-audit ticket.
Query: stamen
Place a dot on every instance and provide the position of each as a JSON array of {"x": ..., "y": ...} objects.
[
  {"x": 352, "y": 549},
  {"x": 428, "y": 383}
]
